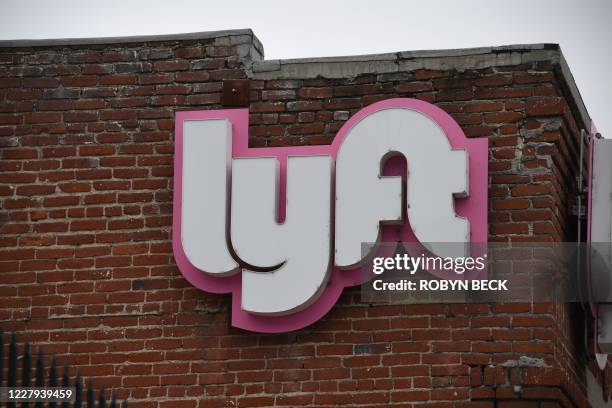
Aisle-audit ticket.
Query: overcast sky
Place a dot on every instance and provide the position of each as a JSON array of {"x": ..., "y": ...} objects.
[{"x": 315, "y": 28}]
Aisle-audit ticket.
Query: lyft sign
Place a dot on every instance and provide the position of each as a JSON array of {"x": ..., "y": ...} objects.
[{"x": 281, "y": 228}]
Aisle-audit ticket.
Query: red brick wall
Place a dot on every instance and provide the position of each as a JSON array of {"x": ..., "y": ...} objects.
[{"x": 86, "y": 136}]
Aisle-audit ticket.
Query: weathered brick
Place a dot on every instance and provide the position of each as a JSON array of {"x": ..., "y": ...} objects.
[
  {"x": 545, "y": 106},
  {"x": 86, "y": 259}
]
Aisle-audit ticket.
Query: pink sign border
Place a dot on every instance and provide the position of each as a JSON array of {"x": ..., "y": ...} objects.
[{"x": 473, "y": 207}]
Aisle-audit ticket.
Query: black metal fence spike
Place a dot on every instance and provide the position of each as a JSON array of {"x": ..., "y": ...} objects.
[
  {"x": 40, "y": 375},
  {"x": 40, "y": 379},
  {"x": 53, "y": 378},
  {"x": 90, "y": 394},
  {"x": 12, "y": 363},
  {"x": 78, "y": 402},
  {"x": 101, "y": 399},
  {"x": 12, "y": 366},
  {"x": 26, "y": 370},
  {"x": 27, "y": 365}
]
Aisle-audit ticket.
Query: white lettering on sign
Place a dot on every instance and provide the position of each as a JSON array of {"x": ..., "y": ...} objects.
[
  {"x": 364, "y": 198},
  {"x": 299, "y": 248},
  {"x": 206, "y": 155},
  {"x": 230, "y": 206}
]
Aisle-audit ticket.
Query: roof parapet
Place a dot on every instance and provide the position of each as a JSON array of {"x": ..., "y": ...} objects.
[
  {"x": 436, "y": 60},
  {"x": 222, "y": 37},
  {"x": 251, "y": 51}
]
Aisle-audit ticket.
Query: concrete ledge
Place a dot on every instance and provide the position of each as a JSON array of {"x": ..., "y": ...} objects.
[
  {"x": 235, "y": 37},
  {"x": 459, "y": 59}
]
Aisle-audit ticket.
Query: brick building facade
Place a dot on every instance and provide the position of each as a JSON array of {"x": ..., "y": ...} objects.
[{"x": 86, "y": 265}]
